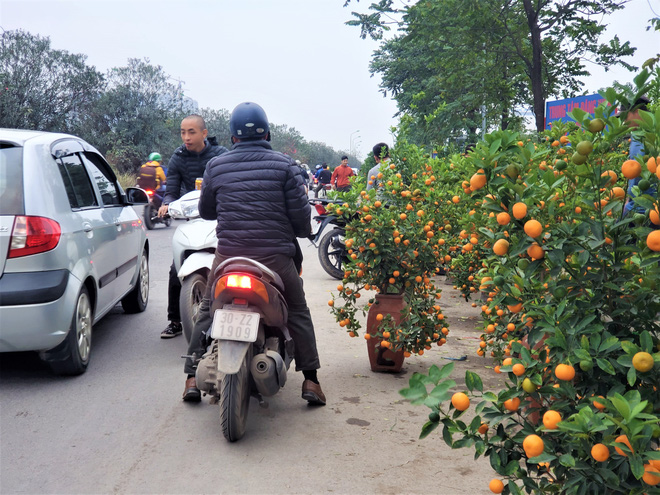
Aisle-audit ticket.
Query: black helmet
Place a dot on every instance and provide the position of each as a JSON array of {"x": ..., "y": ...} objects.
[{"x": 248, "y": 121}]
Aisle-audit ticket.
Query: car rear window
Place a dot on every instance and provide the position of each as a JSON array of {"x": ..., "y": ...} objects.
[{"x": 11, "y": 179}]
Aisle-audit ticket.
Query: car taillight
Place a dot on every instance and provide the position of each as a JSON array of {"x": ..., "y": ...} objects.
[
  {"x": 33, "y": 235},
  {"x": 320, "y": 209},
  {"x": 239, "y": 281}
]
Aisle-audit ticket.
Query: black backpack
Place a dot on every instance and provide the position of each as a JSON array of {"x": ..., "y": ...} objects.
[{"x": 147, "y": 178}]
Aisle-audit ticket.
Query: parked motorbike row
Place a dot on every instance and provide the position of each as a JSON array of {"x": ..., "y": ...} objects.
[{"x": 249, "y": 347}]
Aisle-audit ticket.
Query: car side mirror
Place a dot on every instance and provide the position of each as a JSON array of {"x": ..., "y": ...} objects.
[{"x": 136, "y": 196}]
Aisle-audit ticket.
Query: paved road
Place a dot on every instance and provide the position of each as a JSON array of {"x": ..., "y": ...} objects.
[{"x": 122, "y": 427}]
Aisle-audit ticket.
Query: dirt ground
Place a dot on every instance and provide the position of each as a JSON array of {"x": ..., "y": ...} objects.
[{"x": 377, "y": 433}]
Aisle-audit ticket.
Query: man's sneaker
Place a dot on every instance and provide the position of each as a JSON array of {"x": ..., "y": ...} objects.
[
  {"x": 191, "y": 393},
  {"x": 172, "y": 330}
]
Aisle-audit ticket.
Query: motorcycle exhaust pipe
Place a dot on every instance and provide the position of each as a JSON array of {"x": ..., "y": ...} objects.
[{"x": 268, "y": 372}]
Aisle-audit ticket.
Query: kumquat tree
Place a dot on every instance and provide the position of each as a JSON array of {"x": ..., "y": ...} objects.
[
  {"x": 572, "y": 314},
  {"x": 394, "y": 244}
]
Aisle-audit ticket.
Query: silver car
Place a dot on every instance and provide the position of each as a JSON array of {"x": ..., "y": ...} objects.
[{"x": 71, "y": 246}]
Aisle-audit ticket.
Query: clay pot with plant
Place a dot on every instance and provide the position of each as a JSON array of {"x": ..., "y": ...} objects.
[{"x": 393, "y": 245}]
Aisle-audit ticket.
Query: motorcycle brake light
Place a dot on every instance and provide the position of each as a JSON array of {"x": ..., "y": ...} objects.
[
  {"x": 150, "y": 192},
  {"x": 233, "y": 281},
  {"x": 320, "y": 209},
  {"x": 239, "y": 281}
]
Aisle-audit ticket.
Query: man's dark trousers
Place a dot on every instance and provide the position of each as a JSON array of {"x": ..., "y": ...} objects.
[{"x": 300, "y": 323}]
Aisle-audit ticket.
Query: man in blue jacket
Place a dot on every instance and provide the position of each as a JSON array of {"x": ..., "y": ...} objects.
[
  {"x": 187, "y": 164},
  {"x": 631, "y": 116},
  {"x": 257, "y": 196}
]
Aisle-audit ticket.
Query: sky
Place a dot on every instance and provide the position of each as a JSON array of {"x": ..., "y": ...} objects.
[{"x": 296, "y": 58}]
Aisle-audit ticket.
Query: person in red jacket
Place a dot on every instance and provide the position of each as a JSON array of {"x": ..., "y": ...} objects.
[{"x": 341, "y": 176}]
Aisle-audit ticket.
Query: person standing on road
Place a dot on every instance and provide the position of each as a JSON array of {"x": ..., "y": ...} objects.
[
  {"x": 324, "y": 176},
  {"x": 187, "y": 164},
  {"x": 257, "y": 196},
  {"x": 304, "y": 175},
  {"x": 341, "y": 175},
  {"x": 381, "y": 155}
]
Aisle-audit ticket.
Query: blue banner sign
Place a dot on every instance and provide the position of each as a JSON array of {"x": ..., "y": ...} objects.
[{"x": 559, "y": 109}]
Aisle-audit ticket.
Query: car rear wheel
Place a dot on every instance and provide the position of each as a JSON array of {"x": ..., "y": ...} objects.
[
  {"x": 136, "y": 300},
  {"x": 72, "y": 355}
]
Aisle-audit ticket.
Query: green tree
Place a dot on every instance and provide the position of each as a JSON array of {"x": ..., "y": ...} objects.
[
  {"x": 453, "y": 56},
  {"x": 140, "y": 112},
  {"x": 42, "y": 88},
  {"x": 217, "y": 123}
]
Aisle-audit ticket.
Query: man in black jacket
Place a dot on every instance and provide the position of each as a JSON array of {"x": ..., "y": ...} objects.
[
  {"x": 325, "y": 175},
  {"x": 186, "y": 165},
  {"x": 257, "y": 196}
]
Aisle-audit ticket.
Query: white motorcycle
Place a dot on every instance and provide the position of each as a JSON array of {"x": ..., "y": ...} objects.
[{"x": 193, "y": 246}]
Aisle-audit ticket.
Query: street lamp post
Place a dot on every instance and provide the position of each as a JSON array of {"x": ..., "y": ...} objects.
[{"x": 350, "y": 146}]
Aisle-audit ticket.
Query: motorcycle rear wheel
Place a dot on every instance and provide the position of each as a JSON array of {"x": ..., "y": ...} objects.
[
  {"x": 332, "y": 253},
  {"x": 235, "y": 400}
]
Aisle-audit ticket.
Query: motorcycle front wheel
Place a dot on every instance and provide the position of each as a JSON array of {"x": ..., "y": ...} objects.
[
  {"x": 192, "y": 293},
  {"x": 149, "y": 213},
  {"x": 235, "y": 400},
  {"x": 332, "y": 252}
]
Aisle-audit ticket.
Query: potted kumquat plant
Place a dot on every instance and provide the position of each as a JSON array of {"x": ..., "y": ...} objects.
[{"x": 394, "y": 246}]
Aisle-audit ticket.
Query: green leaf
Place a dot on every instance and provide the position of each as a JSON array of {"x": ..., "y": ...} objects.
[
  {"x": 628, "y": 347},
  {"x": 636, "y": 465},
  {"x": 606, "y": 366},
  {"x": 441, "y": 392},
  {"x": 446, "y": 436},
  {"x": 638, "y": 409},
  {"x": 632, "y": 376},
  {"x": 434, "y": 371},
  {"x": 567, "y": 460},
  {"x": 621, "y": 405},
  {"x": 428, "y": 428},
  {"x": 473, "y": 380},
  {"x": 610, "y": 95},
  {"x": 494, "y": 146},
  {"x": 490, "y": 396},
  {"x": 578, "y": 114},
  {"x": 417, "y": 391},
  {"x": 625, "y": 360},
  {"x": 544, "y": 457},
  {"x": 608, "y": 344},
  {"x": 511, "y": 468},
  {"x": 581, "y": 354},
  {"x": 646, "y": 341}
]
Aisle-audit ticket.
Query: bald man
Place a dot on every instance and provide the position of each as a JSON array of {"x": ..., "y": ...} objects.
[{"x": 187, "y": 164}]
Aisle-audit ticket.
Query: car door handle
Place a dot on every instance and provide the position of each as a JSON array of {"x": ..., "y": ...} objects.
[{"x": 87, "y": 227}]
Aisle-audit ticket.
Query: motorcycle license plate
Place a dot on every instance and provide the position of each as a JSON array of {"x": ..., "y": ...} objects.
[{"x": 235, "y": 325}]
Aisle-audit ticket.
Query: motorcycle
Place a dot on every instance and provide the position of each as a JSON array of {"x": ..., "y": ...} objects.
[
  {"x": 150, "y": 212},
  {"x": 193, "y": 246},
  {"x": 331, "y": 245},
  {"x": 323, "y": 192},
  {"x": 250, "y": 349}
]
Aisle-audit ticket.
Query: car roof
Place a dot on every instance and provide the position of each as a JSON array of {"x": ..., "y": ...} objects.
[{"x": 21, "y": 136}]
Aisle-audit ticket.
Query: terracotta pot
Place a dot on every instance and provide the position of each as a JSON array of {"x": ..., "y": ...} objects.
[{"x": 382, "y": 359}]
